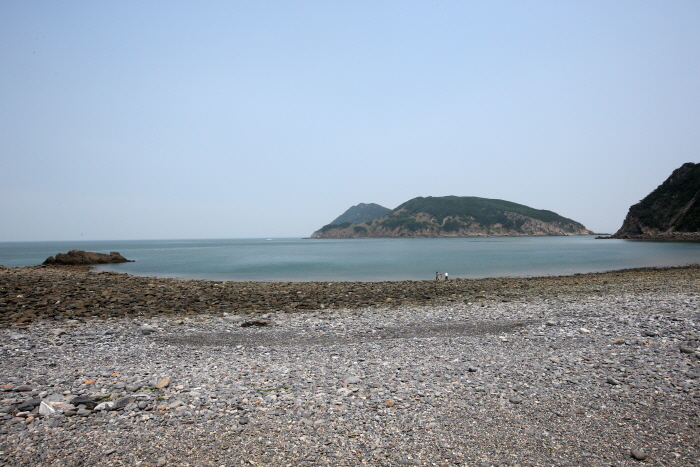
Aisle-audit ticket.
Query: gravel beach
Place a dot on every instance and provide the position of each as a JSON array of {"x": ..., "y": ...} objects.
[{"x": 110, "y": 369}]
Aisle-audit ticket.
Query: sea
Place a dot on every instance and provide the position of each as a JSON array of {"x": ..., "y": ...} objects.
[{"x": 372, "y": 260}]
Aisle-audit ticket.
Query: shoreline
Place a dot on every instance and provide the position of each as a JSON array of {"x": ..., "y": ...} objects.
[
  {"x": 660, "y": 236},
  {"x": 78, "y": 292},
  {"x": 586, "y": 370}
]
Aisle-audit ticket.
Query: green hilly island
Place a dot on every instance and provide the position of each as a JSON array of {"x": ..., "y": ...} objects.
[
  {"x": 671, "y": 211},
  {"x": 450, "y": 216},
  {"x": 361, "y": 213}
]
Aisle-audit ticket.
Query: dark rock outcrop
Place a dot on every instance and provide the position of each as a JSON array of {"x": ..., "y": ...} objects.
[
  {"x": 670, "y": 212},
  {"x": 80, "y": 257}
]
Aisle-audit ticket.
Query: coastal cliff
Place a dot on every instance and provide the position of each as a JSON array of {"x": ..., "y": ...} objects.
[
  {"x": 454, "y": 216},
  {"x": 670, "y": 212}
]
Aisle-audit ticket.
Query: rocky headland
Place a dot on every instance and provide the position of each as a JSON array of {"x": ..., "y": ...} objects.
[
  {"x": 110, "y": 369},
  {"x": 670, "y": 212}
]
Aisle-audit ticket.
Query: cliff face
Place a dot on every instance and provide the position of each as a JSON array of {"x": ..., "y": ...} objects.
[
  {"x": 671, "y": 211},
  {"x": 453, "y": 216}
]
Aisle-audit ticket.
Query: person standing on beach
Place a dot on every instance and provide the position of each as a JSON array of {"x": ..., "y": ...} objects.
[
  {"x": 446, "y": 276},
  {"x": 437, "y": 276}
]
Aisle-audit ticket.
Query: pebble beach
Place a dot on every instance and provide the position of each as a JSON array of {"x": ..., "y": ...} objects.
[{"x": 107, "y": 369}]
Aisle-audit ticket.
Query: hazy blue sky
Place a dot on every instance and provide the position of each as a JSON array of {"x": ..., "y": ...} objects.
[{"x": 148, "y": 120}]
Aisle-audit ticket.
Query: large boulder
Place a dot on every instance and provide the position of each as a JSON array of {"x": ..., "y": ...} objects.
[{"x": 74, "y": 257}]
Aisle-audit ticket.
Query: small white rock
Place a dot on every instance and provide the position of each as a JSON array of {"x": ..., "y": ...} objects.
[
  {"x": 147, "y": 329},
  {"x": 109, "y": 405},
  {"x": 45, "y": 409}
]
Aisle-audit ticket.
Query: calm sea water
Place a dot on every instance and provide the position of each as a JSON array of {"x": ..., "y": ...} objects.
[{"x": 294, "y": 259}]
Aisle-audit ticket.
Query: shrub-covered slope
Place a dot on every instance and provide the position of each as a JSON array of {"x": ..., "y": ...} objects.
[
  {"x": 672, "y": 210},
  {"x": 455, "y": 216}
]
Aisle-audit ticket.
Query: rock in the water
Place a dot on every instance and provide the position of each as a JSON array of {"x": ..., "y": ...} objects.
[{"x": 76, "y": 257}]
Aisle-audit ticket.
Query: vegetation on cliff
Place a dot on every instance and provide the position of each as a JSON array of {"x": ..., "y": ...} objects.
[
  {"x": 361, "y": 213},
  {"x": 671, "y": 210},
  {"x": 455, "y": 216}
]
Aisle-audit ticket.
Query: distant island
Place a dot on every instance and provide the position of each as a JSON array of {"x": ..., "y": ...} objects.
[
  {"x": 449, "y": 216},
  {"x": 670, "y": 212}
]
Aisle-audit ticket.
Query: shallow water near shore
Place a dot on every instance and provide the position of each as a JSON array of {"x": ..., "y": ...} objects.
[{"x": 294, "y": 259}]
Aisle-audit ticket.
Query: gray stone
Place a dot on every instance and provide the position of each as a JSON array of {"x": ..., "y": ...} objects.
[
  {"x": 123, "y": 402},
  {"x": 638, "y": 454},
  {"x": 613, "y": 381},
  {"x": 109, "y": 405},
  {"x": 28, "y": 405},
  {"x": 147, "y": 329},
  {"x": 46, "y": 409},
  {"x": 83, "y": 400},
  {"x": 83, "y": 412}
]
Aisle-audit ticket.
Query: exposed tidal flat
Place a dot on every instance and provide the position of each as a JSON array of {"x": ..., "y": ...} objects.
[{"x": 99, "y": 368}]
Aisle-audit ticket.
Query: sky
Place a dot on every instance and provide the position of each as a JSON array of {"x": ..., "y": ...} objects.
[{"x": 234, "y": 119}]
